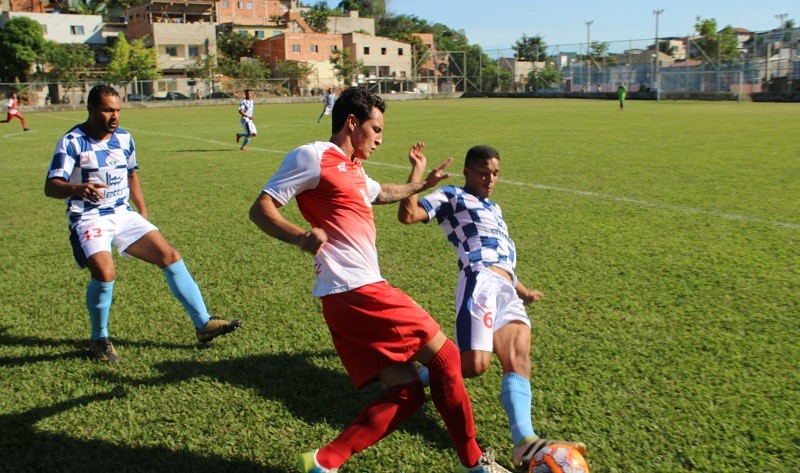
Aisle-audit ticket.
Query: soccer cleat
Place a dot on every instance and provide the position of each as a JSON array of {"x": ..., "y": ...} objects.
[
  {"x": 25, "y": 129},
  {"x": 486, "y": 464},
  {"x": 103, "y": 350},
  {"x": 238, "y": 137},
  {"x": 244, "y": 148},
  {"x": 216, "y": 327},
  {"x": 308, "y": 464},
  {"x": 525, "y": 451}
]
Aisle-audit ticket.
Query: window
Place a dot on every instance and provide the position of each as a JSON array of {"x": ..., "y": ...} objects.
[
  {"x": 366, "y": 49},
  {"x": 172, "y": 51},
  {"x": 240, "y": 5},
  {"x": 194, "y": 51},
  {"x": 399, "y": 51},
  {"x": 224, "y": 3},
  {"x": 314, "y": 48},
  {"x": 76, "y": 29},
  {"x": 383, "y": 51},
  {"x": 334, "y": 48},
  {"x": 248, "y": 5},
  {"x": 259, "y": 34},
  {"x": 295, "y": 48}
]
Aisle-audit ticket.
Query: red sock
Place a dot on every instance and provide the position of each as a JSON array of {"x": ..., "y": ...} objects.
[
  {"x": 375, "y": 422},
  {"x": 452, "y": 401}
]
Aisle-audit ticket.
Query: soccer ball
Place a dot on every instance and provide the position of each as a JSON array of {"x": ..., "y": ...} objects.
[{"x": 558, "y": 458}]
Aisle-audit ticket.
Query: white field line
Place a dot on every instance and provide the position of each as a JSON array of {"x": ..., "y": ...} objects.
[
  {"x": 594, "y": 195},
  {"x": 638, "y": 202}
]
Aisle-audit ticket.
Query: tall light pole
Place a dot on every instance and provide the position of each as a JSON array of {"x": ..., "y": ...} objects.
[
  {"x": 588, "y": 55},
  {"x": 657, "y": 13},
  {"x": 781, "y": 17}
]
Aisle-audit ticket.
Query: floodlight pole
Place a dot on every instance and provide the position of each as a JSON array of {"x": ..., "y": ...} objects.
[
  {"x": 589, "y": 62},
  {"x": 657, "y": 13}
]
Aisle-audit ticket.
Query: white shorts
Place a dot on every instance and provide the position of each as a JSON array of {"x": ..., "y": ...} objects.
[
  {"x": 328, "y": 110},
  {"x": 249, "y": 126},
  {"x": 119, "y": 229},
  {"x": 485, "y": 303}
]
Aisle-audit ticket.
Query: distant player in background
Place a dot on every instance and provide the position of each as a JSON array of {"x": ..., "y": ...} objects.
[
  {"x": 622, "y": 93},
  {"x": 490, "y": 315},
  {"x": 94, "y": 170},
  {"x": 246, "y": 109},
  {"x": 12, "y": 112},
  {"x": 327, "y": 104}
]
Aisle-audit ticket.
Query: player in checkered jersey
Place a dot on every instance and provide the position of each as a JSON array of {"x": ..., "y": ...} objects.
[
  {"x": 247, "y": 112},
  {"x": 378, "y": 331},
  {"x": 94, "y": 170},
  {"x": 490, "y": 299}
]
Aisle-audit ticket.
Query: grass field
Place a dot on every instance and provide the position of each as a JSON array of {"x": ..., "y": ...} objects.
[{"x": 666, "y": 239}]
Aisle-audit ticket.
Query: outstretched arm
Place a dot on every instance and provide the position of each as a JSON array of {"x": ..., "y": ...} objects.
[
  {"x": 393, "y": 192},
  {"x": 409, "y": 210},
  {"x": 264, "y": 213}
]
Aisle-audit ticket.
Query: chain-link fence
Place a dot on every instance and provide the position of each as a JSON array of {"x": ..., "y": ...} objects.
[{"x": 766, "y": 61}]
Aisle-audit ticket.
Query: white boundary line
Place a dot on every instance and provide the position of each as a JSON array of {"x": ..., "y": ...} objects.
[
  {"x": 638, "y": 202},
  {"x": 596, "y": 195}
]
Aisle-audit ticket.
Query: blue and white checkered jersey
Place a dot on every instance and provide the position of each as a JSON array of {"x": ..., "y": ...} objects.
[
  {"x": 80, "y": 158},
  {"x": 247, "y": 107},
  {"x": 474, "y": 226}
]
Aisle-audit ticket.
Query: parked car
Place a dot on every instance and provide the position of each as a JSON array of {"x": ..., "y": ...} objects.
[
  {"x": 138, "y": 97},
  {"x": 219, "y": 95},
  {"x": 170, "y": 96}
]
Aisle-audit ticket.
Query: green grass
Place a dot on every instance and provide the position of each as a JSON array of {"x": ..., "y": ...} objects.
[{"x": 666, "y": 239}]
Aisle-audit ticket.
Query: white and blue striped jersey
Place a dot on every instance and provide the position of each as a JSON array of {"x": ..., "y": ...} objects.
[
  {"x": 247, "y": 107},
  {"x": 474, "y": 226},
  {"x": 79, "y": 158}
]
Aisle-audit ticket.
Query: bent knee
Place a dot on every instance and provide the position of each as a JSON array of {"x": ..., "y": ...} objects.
[{"x": 475, "y": 363}]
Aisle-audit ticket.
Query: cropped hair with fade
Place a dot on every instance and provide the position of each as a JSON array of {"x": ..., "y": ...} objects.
[
  {"x": 479, "y": 153},
  {"x": 97, "y": 93}
]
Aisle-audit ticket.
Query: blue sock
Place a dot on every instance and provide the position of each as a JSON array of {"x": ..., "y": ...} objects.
[
  {"x": 246, "y": 140},
  {"x": 187, "y": 292},
  {"x": 424, "y": 375},
  {"x": 98, "y": 303},
  {"x": 516, "y": 397}
]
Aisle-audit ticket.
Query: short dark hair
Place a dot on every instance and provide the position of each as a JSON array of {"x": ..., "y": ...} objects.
[
  {"x": 247, "y": 90},
  {"x": 97, "y": 93},
  {"x": 480, "y": 153},
  {"x": 356, "y": 101}
]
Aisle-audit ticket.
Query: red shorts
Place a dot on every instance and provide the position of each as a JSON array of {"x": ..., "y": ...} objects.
[{"x": 375, "y": 326}]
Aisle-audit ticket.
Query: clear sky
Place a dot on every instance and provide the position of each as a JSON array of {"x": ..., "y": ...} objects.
[{"x": 498, "y": 24}]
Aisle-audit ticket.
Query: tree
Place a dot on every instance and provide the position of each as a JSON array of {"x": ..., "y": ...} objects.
[
  {"x": 716, "y": 46},
  {"x": 22, "y": 44},
  {"x": 233, "y": 46},
  {"x": 530, "y": 48},
  {"x": 66, "y": 61},
  {"x": 90, "y": 7},
  {"x": 317, "y": 17},
  {"x": 296, "y": 72},
  {"x": 129, "y": 61},
  {"x": 345, "y": 67},
  {"x": 540, "y": 78},
  {"x": 366, "y": 8},
  {"x": 252, "y": 72}
]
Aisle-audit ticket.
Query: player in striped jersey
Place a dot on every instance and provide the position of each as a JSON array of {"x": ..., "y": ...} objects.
[
  {"x": 377, "y": 330},
  {"x": 246, "y": 111},
  {"x": 94, "y": 170},
  {"x": 490, "y": 299}
]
